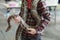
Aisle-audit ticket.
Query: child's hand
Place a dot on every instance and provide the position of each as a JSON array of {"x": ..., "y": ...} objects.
[
  {"x": 17, "y": 19},
  {"x": 32, "y": 31}
]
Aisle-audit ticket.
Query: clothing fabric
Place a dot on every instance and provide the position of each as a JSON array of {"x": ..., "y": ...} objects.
[
  {"x": 26, "y": 37},
  {"x": 44, "y": 14}
]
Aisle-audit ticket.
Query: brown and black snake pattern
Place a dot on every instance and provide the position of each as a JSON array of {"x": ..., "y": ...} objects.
[
  {"x": 32, "y": 14},
  {"x": 19, "y": 30}
]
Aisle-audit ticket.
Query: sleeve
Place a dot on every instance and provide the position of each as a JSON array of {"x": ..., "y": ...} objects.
[{"x": 45, "y": 15}]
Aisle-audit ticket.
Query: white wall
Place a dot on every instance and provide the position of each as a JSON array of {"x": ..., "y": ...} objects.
[{"x": 51, "y": 2}]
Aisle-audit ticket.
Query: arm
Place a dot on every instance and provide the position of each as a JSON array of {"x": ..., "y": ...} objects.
[{"x": 45, "y": 15}]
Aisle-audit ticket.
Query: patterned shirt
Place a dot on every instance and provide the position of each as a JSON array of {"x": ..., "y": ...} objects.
[{"x": 43, "y": 13}]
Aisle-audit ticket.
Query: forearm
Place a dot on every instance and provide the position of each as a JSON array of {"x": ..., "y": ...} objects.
[{"x": 45, "y": 16}]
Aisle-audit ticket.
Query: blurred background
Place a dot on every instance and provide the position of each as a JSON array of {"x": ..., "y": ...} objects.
[{"x": 52, "y": 31}]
